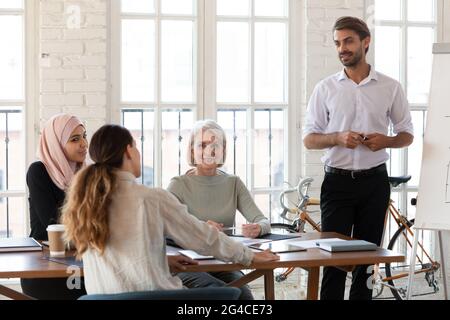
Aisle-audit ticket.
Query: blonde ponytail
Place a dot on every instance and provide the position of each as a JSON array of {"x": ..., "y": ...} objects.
[{"x": 86, "y": 210}]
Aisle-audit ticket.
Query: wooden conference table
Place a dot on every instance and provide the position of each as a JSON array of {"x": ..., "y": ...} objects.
[{"x": 35, "y": 265}]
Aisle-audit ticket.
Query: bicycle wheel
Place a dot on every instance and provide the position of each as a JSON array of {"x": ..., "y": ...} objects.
[{"x": 398, "y": 243}]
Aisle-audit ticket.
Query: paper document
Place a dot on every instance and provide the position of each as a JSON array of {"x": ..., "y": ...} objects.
[
  {"x": 194, "y": 255},
  {"x": 278, "y": 247},
  {"x": 308, "y": 244},
  {"x": 249, "y": 241}
]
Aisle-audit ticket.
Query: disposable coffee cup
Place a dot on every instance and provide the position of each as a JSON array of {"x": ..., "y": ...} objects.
[{"x": 55, "y": 240}]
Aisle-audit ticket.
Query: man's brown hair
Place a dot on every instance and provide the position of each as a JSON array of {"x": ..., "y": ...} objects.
[{"x": 355, "y": 24}]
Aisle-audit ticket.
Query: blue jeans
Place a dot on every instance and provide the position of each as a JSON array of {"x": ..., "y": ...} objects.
[{"x": 214, "y": 279}]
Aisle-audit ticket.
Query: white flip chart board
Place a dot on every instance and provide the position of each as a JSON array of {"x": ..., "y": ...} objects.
[{"x": 433, "y": 204}]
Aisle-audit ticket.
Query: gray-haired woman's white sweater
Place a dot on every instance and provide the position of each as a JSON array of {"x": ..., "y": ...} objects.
[{"x": 217, "y": 198}]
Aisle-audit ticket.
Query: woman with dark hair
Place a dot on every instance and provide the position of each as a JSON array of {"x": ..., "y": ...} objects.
[
  {"x": 119, "y": 227},
  {"x": 62, "y": 152}
]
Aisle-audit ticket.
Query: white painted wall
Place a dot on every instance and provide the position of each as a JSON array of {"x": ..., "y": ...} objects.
[
  {"x": 321, "y": 61},
  {"x": 76, "y": 78},
  {"x": 446, "y": 21},
  {"x": 73, "y": 78}
]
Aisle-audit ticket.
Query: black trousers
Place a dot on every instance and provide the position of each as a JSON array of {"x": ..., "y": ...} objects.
[{"x": 353, "y": 207}]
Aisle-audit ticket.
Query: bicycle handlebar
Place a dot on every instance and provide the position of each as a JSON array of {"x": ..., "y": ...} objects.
[
  {"x": 302, "y": 189},
  {"x": 305, "y": 183}
]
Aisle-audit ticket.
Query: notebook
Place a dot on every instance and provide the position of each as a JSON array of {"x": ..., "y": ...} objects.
[
  {"x": 194, "y": 255},
  {"x": 268, "y": 237},
  {"x": 19, "y": 244},
  {"x": 350, "y": 245},
  {"x": 277, "y": 237}
]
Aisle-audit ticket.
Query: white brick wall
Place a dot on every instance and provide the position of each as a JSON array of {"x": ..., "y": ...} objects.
[
  {"x": 321, "y": 61},
  {"x": 75, "y": 81},
  {"x": 74, "y": 77}
]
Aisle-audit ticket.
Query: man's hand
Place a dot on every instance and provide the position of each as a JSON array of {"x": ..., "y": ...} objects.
[
  {"x": 178, "y": 263},
  {"x": 377, "y": 142},
  {"x": 265, "y": 256},
  {"x": 349, "y": 140}
]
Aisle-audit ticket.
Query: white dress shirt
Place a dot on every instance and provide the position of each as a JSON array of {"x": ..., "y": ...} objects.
[
  {"x": 338, "y": 104},
  {"x": 135, "y": 254}
]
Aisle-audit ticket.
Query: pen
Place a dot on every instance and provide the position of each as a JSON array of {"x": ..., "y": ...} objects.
[
  {"x": 229, "y": 229},
  {"x": 364, "y": 138}
]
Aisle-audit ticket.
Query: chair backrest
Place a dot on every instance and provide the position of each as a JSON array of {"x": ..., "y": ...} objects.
[{"x": 214, "y": 293}]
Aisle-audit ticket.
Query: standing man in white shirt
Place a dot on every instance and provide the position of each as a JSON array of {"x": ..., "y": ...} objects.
[{"x": 349, "y": 115}]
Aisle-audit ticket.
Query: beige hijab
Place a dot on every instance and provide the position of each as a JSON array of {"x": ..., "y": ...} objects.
[{"x": 54, "y": 137}]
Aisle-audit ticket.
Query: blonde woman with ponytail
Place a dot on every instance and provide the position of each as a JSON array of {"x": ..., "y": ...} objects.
[{"x": 119, "y": 227}]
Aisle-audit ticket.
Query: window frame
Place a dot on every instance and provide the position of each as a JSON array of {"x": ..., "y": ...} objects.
[
  {"x": 30, "y": 102},
  {"x": 206, "y": 86},
  {"x": 157, "y": 106},
  {"x": 404, "y": 24},
  {"x": 292, "y": 137}
]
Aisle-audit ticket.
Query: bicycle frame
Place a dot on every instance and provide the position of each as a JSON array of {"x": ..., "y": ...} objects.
[
  {"x": 301, "y": 211},
  {"x": 301, "y": 208}
]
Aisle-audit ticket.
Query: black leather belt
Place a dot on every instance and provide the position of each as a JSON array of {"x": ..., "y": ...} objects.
[{"x": 356, "y": 173}]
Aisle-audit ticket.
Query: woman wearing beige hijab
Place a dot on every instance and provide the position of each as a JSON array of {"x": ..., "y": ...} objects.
[{"x": 62, "y": 152}]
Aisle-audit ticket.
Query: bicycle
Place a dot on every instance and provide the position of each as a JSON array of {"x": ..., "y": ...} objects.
[
  {"x": 300, "y": 209},
  {"x": 396, "y": 275},
  {"x": 302, "y": 215}
]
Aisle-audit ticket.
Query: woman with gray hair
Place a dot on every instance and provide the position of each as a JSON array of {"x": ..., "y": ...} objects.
[{"x": 214, "y": 196}]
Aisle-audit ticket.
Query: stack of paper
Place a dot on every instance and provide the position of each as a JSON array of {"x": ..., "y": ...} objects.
[{"x": 194, "y": 255}]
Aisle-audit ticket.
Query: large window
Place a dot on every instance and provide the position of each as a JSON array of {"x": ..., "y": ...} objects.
[
  {"x": 12, "y": 104},
  {"x": 158, "y": 76},
  {"x": 186, "y": 60},
  {"x": 404, "y": 35},
  {"x": 251, "y": 96}
]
